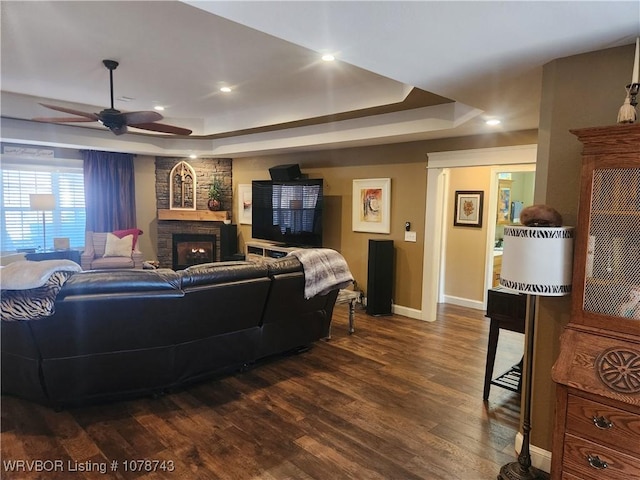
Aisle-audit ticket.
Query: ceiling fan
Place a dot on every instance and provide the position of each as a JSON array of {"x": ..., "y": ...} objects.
[{"x": 113, "y": 119}]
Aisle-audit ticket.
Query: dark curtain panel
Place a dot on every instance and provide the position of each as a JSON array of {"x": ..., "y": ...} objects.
[{"x": 109, "y": 190}]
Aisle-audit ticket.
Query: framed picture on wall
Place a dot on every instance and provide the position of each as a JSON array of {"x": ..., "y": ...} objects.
[
  {"x": 244, "y": 204},
  {"x": 468, "y": 208},
  {"x": 504, "y": 202},
  {"x": 372, "y": 205}
]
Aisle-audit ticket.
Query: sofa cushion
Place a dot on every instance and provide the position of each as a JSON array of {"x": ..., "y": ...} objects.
[
  {"x": 129, "y": 231},
  {"x": 112, "y": 263},
  {"x": 118, "y": 247},
  {"x": 221, "y": 272},
  {"x": 95, "y": 282}
]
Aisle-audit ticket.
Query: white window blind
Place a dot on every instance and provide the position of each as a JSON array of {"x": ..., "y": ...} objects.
[{"x": 21, "y": 226}]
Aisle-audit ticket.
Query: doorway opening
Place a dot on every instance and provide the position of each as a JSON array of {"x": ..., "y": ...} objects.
[{"x": 439, "y": 212}]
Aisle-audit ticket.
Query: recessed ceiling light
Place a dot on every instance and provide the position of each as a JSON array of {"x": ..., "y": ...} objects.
[
  {"x": 159, "y": 108},
  {"x": 225, "y": 89},
  {"x": 328, "y": 57},
  {"x": 493, "y": 122}
]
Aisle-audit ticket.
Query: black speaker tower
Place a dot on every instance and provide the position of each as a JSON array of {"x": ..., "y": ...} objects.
[
  {"x": 228, "y": 242},
  {"x": 380, "y": 277}
]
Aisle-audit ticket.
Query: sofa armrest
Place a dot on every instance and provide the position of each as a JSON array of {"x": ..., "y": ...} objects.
[
  {"x": 85, "y": 261},
  {"x": 87, "y": 256},
  {"x": 138, "y": 258}
]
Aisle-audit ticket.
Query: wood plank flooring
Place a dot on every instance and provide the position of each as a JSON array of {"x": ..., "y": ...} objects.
[{"x": 399, "y": 399}]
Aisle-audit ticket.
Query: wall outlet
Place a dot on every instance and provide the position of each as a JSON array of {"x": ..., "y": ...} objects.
[{"x": 410, "y": 237}]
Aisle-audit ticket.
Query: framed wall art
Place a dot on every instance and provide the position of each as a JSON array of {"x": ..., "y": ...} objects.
[
  {"x": 182, "y": 187},
  {"x": 468, "y": 208},
  {"x": 372, "y": 205},
  {"x": 244, "y": 203},
  {"x": 504, "y": 202}
]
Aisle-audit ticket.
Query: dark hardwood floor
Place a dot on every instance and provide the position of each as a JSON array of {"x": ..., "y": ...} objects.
[{"x": 399, "y": 399}]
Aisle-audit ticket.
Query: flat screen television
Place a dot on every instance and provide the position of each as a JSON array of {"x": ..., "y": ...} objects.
[{"x": 287, "y": 212}]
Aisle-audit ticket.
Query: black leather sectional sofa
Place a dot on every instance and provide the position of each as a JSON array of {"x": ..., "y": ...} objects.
[{"x": 125, "y": 333}]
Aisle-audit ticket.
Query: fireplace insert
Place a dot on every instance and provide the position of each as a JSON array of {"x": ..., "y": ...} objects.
[{"x": 193, "y": 249}]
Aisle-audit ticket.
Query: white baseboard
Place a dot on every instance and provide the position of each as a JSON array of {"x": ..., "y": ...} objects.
[
  {"x": 464, "y": 302},
  {"x": 540, "y": 458},
  {"x": 400, "y": 310},
  {"x": 407, "y": 312}
]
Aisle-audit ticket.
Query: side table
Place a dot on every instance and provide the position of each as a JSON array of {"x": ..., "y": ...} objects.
[
  {"x": 507, "y": 310},
  {"x": 73, "y": 255}
]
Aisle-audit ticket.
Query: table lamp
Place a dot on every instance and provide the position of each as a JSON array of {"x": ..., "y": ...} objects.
[
  {"x": 42, "y": 202},
  {"x": 536, "y": 261}
]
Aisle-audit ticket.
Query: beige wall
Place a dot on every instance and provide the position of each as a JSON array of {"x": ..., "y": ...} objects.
[
  {"x": 466, "y": 247},
  {"x": 146, "y": 211},
  {"x": 405, "y": 165},
  {"x": 580, "y": 91}
]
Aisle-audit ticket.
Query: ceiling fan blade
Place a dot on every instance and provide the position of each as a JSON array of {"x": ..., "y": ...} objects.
[
  {"x": 62, "y": 119},
  {"x": 163, "y": 128},
  {"x": 141, "y": 117},
  {"x": 91, "y": 116},
  {"x": 113, "y": 119}
]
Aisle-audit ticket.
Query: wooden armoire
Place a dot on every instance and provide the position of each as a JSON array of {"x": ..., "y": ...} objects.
[{"x": 597, "y": 423}]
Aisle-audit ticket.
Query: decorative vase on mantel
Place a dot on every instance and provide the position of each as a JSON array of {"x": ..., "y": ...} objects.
[{"x": 214, "y": 204}]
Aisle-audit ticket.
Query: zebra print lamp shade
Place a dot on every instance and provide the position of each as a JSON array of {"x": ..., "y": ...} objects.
[{"x": 537, "y": 260}]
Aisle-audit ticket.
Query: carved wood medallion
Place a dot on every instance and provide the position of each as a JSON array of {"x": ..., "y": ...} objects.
[{"x": 619, "y": 369}]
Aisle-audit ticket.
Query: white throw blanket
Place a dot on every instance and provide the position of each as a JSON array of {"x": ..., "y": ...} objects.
[
  {"x": 324, "y": 270},
  {"x": 25, "y": 274}
]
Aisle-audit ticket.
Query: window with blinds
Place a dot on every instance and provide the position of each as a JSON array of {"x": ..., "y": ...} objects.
[{"x": 22, "y": 228}]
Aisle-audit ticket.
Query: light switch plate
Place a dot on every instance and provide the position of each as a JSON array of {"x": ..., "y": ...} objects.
[{"x": 410, "y": 236}]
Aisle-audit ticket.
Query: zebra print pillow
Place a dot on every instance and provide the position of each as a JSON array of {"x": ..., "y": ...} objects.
[{"x": 33, "y": 303}]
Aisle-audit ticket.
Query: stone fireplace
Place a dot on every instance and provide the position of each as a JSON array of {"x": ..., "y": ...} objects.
[
  {"x": 170, "y": 230},
  {"x": 198, "y": 226}
]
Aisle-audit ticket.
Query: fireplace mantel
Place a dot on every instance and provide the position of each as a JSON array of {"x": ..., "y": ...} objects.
[{"x": 193, "y": 215}]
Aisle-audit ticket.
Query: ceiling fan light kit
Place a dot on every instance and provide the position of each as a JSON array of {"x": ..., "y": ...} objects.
[{"x": 115, "y": 120}]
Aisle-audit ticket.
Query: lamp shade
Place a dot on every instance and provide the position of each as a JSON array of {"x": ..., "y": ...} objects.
[
  {"x": 537, "y": 260},
  {"x": 42, "y": 201}
]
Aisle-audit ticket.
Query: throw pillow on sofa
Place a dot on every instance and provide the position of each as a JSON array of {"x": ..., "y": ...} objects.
[
  {"x": 118, "y": 247},
  {"x": 129, "y": 231}
]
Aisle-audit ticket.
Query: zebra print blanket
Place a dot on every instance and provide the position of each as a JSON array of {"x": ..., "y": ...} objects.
[{"x": 324, "y": 270}]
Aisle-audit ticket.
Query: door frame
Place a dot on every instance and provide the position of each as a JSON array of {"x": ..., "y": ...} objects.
[
  {"x": 493, "y": 214},
  {"x": 437, "y": 208}
]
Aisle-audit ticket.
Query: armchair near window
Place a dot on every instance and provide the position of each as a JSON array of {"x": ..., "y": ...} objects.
[{"x": 120, "y": 253}]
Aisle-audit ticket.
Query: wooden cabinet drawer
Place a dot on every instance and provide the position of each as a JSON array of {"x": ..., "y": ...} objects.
[
  {"x": 603, "y": 424},
  {"x": 568, "y": 476},
  {"x": 590, "y": 461}
]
